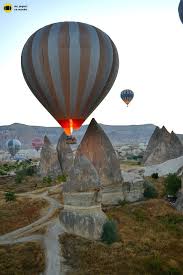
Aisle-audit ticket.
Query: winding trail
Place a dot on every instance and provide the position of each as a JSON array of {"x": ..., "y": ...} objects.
[{"x": 50, "y": 240}]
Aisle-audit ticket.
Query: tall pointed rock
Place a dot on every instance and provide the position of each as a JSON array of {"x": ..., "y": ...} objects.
[
  {"x": 98, "y": 149},
  {"x": 83, "y": 176},
  {"x": 49, "y": 164},
  {"x": 162, "y": 146},
  {"x": 65, "y": 154}
]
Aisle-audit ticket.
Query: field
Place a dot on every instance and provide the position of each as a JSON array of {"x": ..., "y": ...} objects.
[
  {"x": 151, "y": 242},
  {"x": 125, "y": 165},
  {"x": 19, "y": 213},
  {"x": 22, "y": 259}
]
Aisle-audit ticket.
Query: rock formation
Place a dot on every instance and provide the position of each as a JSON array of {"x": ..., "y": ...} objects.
[
  {"x": 97, "y": 147},
  {"x": 165, "y": 168},
  {"x": 49, "y": 164},
  {"x": 179, "y": 201},
  {"x": 162, "y": 146},
  {"x": 133, "y": 186},
  {"x": 83, "y": 176},
  {"x": 82, "y": 214},
  {"x": 65, "y": 155},
  {"x": 131, "y": 190}
]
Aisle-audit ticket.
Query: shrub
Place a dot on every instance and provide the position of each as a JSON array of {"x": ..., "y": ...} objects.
[
  {"x": 139, "y": 215},
  {"x": 173, "y": 271},
  {"x": 2, "y": 172},
  {"x": 172, "y": 219},
  {"x": 150, "y": 191},
  {"x": 30, "y": 171},
  {"x": 62, "y": 178},
  {"x": 19, "y": 177},
  {"x": 122, "y": 202},
  {"x": 154, "y": 264},
  {"x": 172, "y": 184},
  {"x": 47, "y": 180},
  {"x": 155, "y": 176},
  {"x": 109, "y": 232},
  {"x": 10, "y": 196},
  {"x": 135, "y": 157}
]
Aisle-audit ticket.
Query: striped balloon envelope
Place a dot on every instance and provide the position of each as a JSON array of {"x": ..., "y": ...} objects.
[
  {"x": 180, "y": 10},
  {"x": 37, "y": 143},
  {"x": 70, "y": 67},
  {"x": 127, "y": 96},
  {"x": 13, "y": 146}
]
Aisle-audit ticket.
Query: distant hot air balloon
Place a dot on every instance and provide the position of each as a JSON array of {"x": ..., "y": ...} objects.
[
  {"x": 180, "y": 10},
  {"x": 127, "y": 96},
  {"x": 70, "y": 68},
  {"x": 13, "y": 146},
  {"x": 37, "y": 143}
]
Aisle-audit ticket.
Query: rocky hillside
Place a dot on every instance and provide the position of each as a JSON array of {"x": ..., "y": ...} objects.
[
  {"x": 118, "y": 135},
  {"x": 162, "y": 146}
]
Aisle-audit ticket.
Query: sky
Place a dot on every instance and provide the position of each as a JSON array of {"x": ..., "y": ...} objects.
[{"x": 149, "y": 38}]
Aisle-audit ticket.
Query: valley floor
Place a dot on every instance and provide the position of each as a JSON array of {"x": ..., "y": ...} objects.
[
  {"x": 151, "y": 242},
  {"x": 150, "y": 238}
]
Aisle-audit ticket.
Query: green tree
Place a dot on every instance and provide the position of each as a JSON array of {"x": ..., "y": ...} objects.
[
  {"x": 150, "y": 191},
  {"x": 155, "y": 176},
  {"x": 10, "y": 196},
  {"x": 109, "y": 232},
  {"x": 172, "y": 184},
  {"x": 47, "y": 180}
]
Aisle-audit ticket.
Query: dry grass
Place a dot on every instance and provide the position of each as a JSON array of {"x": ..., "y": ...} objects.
[
  {"x": 151, "y": 243},
  {"x": 125, "y": 165},
  {"x": 22, "y": 259},
  {"x": 159, "y": 184},
  {"x": 29, "y": 183},
  {"x": 58, "y": 196},
  {"x": 19, "y": 213}
]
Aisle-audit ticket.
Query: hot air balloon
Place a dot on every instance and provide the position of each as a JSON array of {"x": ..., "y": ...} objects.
[
  {"x": 127, "y": 96},
  {"x": 70, "y": 68},
  {"x": 37, "y": 143},
  {"x": 180, "y": 10},
  {"x": 13, "y": 146}
]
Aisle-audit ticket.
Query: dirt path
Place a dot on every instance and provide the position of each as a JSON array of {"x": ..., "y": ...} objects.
[{"x": 50, "y": 240}]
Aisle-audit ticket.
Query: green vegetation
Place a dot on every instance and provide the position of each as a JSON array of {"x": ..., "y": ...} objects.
[
  {"x": 62, "y": 178},
  {"x": 150, "y": 191},
  {"x": 10, "y": 196},
  {"x": 47, "y": 180},
  {"x": 2, "y": 172},
  {"x": 154, "y": 264},
  {"x": 155, "y": 176},
  {"x": 19, "y": 177},
  {"x": 110, "y": 232},
  {"x": 24, "y": 169},
  {"x": 172, "y": 184},
  {"x": 122, "y": 202}
]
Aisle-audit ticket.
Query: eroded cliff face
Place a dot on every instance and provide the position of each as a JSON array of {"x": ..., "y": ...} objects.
[
  {"x": 65, "y": 155},
  {"x": 98, "y": 149},
  {"x": 49, "y": 164},
  {"x": 162, "y": 146}
]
